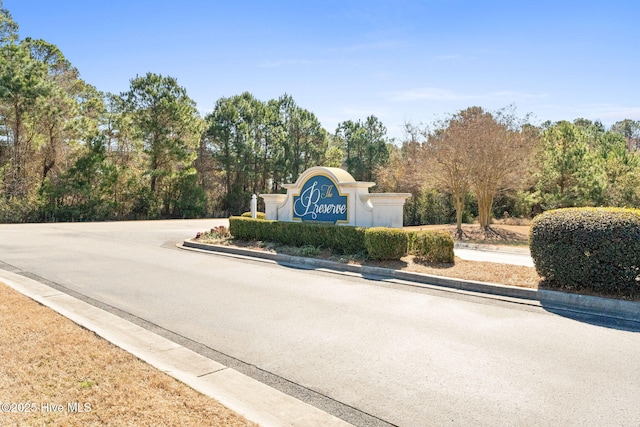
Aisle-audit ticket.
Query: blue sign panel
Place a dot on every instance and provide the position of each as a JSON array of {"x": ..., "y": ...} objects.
[{"x": 320, "y": 201}]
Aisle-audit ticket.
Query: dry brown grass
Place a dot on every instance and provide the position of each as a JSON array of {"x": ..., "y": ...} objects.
[
  {"x": 510, "y": 232},
  {"x": 504, "y": 274},
  {"x": 46, "y": 358},
  {"x": 501, "y": 232}
]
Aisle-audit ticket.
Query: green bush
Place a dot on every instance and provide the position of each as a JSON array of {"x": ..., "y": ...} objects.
[
  {"x": 259, "y": 215},
  {"x": 340, "y": 239},
  {"x": 431, "y": 246},
  {"x": 385, "y": 243},
  {"x": 594, "y": 249}
]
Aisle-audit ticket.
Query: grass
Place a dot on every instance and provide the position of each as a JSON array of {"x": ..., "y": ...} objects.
[
  {"x": 504, "y": 274},
  {"x": 47, "y": 361}
]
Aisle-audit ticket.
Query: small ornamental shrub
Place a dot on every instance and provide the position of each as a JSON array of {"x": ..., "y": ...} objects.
[
  {"x": 259, "y": 215},
  {"x": 220, "y": 232},
  {"x": 385, "y": 243},
  {"x": 215, "y": 234},
  {"x": 431, "y": 246},
  {"x": 348, "y": 240},
  {"x": 594, "y": 249}
]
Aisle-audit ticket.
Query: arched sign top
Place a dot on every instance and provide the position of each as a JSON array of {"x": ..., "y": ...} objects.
[
  {"x": 339, "y": 176},
  {"x": 320, "y": 199}
]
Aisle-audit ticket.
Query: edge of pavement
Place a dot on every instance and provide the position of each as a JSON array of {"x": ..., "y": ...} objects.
[
  {"x": 627, "y": 311},
  {"x": 250, "y": 398},
  {"x": 518, "y": 250}
]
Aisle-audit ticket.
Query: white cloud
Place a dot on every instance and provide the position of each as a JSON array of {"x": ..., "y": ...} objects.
[
  {"x": 427, "y": 93},
  {"x": 283, "y": 63},
  {"x": 453, "y": 57},
  {"x": 607, "y": 113},
  {"x": 621, "y": 113},
  {"x": 379, "y": 45},
  {"x": 438, "y": 94}
]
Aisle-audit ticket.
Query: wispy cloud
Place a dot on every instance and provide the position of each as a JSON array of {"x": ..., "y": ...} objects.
[
  {"x": 472, "y": 55},
  {"x": 439, "y": 94},
  {"x": 428, "y": 93},
  {"x": 268, "y": 63},
  {"x": 361, "y": 47},
  {"x": 620, "y": 113},
  {"x": 607, "y": 113},
  {"x": 453, "y": 57},
  {"x": 363, "y": 112},
  {"x": 332, "y": 120}
]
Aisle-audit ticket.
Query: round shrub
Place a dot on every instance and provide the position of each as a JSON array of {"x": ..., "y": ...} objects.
[
  {"x": 595, "y": 249},
  {"x": 385, "y": 243},
  {"x": 431, "y": 246}
]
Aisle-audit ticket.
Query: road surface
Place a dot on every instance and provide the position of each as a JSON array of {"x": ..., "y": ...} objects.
[{"x": 372, "y": 352}]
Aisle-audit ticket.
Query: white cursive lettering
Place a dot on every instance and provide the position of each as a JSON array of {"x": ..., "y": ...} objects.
[{"x": 307, "y": 204}]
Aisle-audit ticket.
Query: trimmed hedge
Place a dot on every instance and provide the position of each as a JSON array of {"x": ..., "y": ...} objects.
[
  {"x": 594, "y": 249},
  {"x": 385, "y": 243},
  {"x": 380, "y": 243},
  {"x": 342, "y": 239},
  {"x": 431, "y": 246}
]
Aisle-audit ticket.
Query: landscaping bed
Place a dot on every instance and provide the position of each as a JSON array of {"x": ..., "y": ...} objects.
[{"x": 468, "y": 270}]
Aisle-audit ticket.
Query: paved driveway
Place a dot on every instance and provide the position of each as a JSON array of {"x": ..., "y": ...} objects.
[{"x": 376, "y": 353}]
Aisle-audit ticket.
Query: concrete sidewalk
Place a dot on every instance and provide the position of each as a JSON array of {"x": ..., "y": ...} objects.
[
  {"x": 246, "y": 396},
  {"x": 493, "y": 253}
]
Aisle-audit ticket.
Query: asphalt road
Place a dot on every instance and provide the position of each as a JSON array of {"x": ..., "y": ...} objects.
[{"x": 374, "y": 352}]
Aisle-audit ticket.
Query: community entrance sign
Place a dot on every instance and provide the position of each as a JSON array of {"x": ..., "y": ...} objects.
[
  {"x": 320, "y": 201},
  {"x": 331, "y": 195}
]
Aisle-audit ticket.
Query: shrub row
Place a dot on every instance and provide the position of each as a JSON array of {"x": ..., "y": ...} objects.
[
  {"x": 343, "y": 240},
  {"x": 385, "y": 243},
  {"x": 379, "y": 243},
  {"x": 594, "y": 249},
  {"x": 431, "y": 246}
]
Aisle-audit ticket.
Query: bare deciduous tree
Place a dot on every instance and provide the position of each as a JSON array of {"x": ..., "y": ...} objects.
[
  {"x": 448, "y": 160},
  {"x": 500, "y": 149},
  {"x": 478, "y": 151}
]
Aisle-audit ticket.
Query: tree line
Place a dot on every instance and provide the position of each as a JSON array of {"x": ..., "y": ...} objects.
[
  {"x": 483, "y": 165},
  {"x": 69, "y": 152}
]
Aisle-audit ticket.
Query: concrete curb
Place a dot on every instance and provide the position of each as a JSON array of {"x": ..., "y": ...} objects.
[
  {"x": 586, "y": 304},
  {"x": 240, "y": 393}
]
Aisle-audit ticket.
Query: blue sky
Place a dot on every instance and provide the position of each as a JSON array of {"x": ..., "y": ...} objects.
[{"x": 402, "y": 61}]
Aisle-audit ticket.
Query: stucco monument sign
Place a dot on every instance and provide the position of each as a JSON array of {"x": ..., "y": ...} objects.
[{"x": 331, "y": 195}]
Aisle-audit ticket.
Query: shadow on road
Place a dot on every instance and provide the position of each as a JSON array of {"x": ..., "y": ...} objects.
[
  {"x": 603, "y": 315},
  {"x": 593, "y": 319}
]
